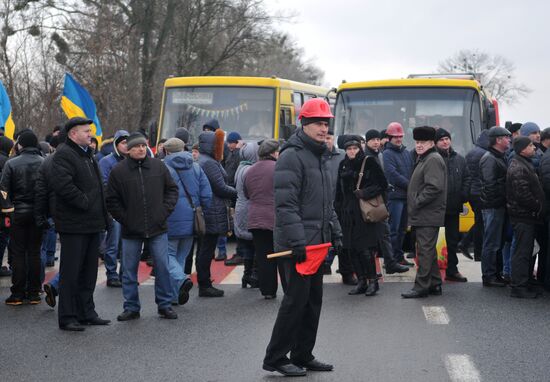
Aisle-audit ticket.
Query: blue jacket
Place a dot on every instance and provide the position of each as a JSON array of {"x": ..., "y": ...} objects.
[
  {"x": 107, "y": 163},
  {"x": 217, "y": 220},
  {"x": 398, "y": 168},
  {"x": 182, "y": 168}
]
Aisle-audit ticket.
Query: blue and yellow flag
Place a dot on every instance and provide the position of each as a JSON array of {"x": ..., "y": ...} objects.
[
  {"x": 77, "y": 102},
  {"x": 5, "y": 113}
]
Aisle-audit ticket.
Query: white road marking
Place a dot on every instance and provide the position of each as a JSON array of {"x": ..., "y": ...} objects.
[
  {"x": 436, "y": 315},
  {"x": 461, "y": 368}
]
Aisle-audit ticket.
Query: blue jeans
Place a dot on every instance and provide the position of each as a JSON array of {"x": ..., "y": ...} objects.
[
  {"x": 222, "y": 242},
  {"x": 178, "y": 249},
  {"x": 493, "y": 223},
  {"x": 131, "y": 253},
  {"x": 47, "y": 249},
  {"x": 112, "y": 245},
  {"x": 398, "y": 225}
]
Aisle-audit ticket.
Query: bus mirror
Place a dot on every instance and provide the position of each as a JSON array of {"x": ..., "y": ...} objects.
[{"x": 287, "y": 131}]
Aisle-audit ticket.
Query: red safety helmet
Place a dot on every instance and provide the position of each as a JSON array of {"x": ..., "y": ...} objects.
[
  {"x": 395, "y": 130},
  {"x": 316, "y": 108}
]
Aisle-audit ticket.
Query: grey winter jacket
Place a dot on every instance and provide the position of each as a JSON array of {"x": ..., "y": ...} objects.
[
  {"x": 427, "y": 192},
  {"x": 249, "y": 156},
  {"x": 304, "y": 213},
  {"x": 334, "y": 158},
  {"x": 216, "y": 216}
]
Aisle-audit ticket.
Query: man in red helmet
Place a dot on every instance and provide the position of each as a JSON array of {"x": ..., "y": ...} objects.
[
  {"x": 304, "y": 215},
  {"x": 398, "y": 167}
]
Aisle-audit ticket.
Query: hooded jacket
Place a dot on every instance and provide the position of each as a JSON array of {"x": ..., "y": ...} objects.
[
  {"x": 427, "y": 192},
  {"x": 304, "y": 213},
  {"x": 216, "y": 217},
  {"x": 398, "y": 167},
  {"x": 472, "y": 161},
  {"x": 524, "y": 193},
  {"x": 249, "y": 156},
  {"x": 458, "y": 181},
  {"x": 184, "y": 171},
  {"x": 107, "y": 163}
]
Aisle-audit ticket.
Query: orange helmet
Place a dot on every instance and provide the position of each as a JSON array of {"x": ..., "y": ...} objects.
[
  {"x": 315, "y": 108},
  {"x": 395, "y": 129}
]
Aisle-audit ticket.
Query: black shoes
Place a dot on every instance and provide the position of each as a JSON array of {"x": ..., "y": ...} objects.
[
  {"x": 456, "y": 277},
  {"x": 465, "y": 251},
  {"x": 95, "y": 322},
  {"x": 414, "y": 294},
  {"x": 349, "y": 279},
  {"x": 72, "y": 327},
  {"x": 493, "y": 283},
  {"x": 183, "y": 295},
  {"x": 250, "y": 279},
  {"x": 435, "y": 290},
  {"x": 372, "y": 288},
  {"x": 235, "y": 260},
  {"x": 51, "y": 293},
  {"x": 128, "y": 315},
  {"x": 114, "y": 283},
  {"x": 315, "y": 365},
  {"x": 210, "y": 292},
  {"x": 221, "y": 256},
  {"x": 270, "y": 296},
  {"x": 288, "y": 370},
  {"x": 523, "y": 293},
  {"x": 360, "y": 288},
  {"x": 327, "y": 270},
  {"x": 168, "y": 313},
  {"x": 406, "y": 263},
  {"x": 34, "y": 299},
  {"x": 396, "y": 268},
  {"x": 14, "y": 300}
]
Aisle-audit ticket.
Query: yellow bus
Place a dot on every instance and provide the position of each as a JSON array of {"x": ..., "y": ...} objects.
[
  {"x": 255, "y": 107},
  {"x": 456, "y": 102}
]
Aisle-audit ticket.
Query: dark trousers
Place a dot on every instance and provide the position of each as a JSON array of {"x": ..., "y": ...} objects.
[
  {"x": 295, "y": 328},
  {"x": 524, "y": 234},
  {"x": 542, "y": 240},
  {"x": 24, "y": 250},
  {"x": 384, "y": 243},
  {"x": 364, "y": 263},
  {"x": 452, "y": 237},
  {"x": 204, "y": 259},
  {"x": 478, "y": 228},
  {"x": 193, "y": 252},
  {"x": 267, "y": 269},
  {"x": 78, "y": 276},
  {"x": 427, "y": 275}
]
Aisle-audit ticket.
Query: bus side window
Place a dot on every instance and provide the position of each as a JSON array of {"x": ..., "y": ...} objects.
[
  {"x": 286, "y": 128},
  {"x": 298, "y": 101}
]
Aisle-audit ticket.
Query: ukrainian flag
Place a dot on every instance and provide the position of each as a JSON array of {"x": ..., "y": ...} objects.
[
  {"x": 77, "y": 102},
  {"x": 5, "y": 113}
]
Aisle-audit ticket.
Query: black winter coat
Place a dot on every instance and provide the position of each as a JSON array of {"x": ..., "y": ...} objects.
[
  {"x": 524, "y": 193},
  {"x": 458, "y": 181},
  {"x": 18, "y": 179},
  {"x": 79, "y": 199},
  {"x": 357, "y": 234},
  {"x": 140, "y": 196},
  {"x": 493, "y": 179},
  {"x": 544, "y": 172},
  {"x": 217, "y": 220},
  {"x": 44, "y": 196},
  {"x": 231, "y": 164},
  {"x": 304, "y": 213},
  {"x": 472, "y": 160}
]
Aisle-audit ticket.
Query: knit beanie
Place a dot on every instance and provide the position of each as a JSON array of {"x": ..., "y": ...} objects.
[
  {"x": 520, "y": 143},
  {"x": 183, "y": 134},
  {"x": 441, "y": 133},
  {"x": 233, "y": 137},
  {"x": 372, "y": 134},
  {"x": 134, "y": 139},
  {"x": 27, "y": 139},
  {"x": 528, "y": 128},
  {"x": 307, "y": 121}
]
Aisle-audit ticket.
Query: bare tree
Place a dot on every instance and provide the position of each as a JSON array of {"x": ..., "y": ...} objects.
[{"x": 495, "y": 72}]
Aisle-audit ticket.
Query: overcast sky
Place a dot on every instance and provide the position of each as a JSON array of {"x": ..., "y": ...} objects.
[{"x": 372, "y": 39}]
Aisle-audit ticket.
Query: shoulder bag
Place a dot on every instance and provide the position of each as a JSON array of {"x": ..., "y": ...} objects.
[{"x": 372, "y": 210}]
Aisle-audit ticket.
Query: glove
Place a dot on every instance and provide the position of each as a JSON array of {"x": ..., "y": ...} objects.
[
  {"x": 338, "y": 247},
  {"x": 299, "y": 254},
  {"x": 358, "y": 194}
]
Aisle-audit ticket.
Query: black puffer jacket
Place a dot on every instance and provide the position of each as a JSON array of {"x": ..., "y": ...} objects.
[
  {"x": 216, "y": 215},
  {"x": 458, "y": 181},
  {"x": 356, "y": 233},
  {"x": 472, "y": 160},
  {"x": 524, "y": 193},
  {"x": 140, "y": 196},
  {"x": 544, "y": 172},
  {"x": 18, "y": 179},
  {"x": 493, "y": 179},
  {"x": 231, "y": 164},
  {"x": 79, "y": 200},
  {"x": 44, "y": 196},
  {"x": 304, "y": 213}
]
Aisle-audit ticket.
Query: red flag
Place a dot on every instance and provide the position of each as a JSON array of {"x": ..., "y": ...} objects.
[{"x": 315, "y": 255}]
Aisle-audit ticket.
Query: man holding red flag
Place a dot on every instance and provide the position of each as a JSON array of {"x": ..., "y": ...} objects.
[{"x": 304, "y": 215}]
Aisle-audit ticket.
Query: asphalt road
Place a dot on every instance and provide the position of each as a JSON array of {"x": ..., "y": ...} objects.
[{"x": 472, "y": 334}]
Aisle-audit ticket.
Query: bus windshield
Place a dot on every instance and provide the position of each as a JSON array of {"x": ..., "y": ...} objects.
[
  {"x": 457, "y": 110},
  {"x": 247, "y": 110}
]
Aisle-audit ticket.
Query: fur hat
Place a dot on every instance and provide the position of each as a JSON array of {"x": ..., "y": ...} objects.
[{"x": 424, "y": 133}]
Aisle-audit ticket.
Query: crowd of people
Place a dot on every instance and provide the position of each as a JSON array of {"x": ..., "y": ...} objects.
[{"x": 122, "y": 200}]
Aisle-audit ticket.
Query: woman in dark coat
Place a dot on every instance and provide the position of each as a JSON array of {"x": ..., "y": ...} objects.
[{"x": 360, "y": 238}]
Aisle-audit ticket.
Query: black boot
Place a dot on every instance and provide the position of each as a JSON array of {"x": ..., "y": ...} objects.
[
  {"x": 249, "y": 278},
  {"x": 360, "y": 288},
  {"x": 372, "y": 288}
]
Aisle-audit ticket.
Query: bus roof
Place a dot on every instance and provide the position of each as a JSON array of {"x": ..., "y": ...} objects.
[
  {"x": 412, "y": 82},
  {"x": 271, "y": 82}
]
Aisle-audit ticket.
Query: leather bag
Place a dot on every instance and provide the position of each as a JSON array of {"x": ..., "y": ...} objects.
[{"x": 372, "y": 210}]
